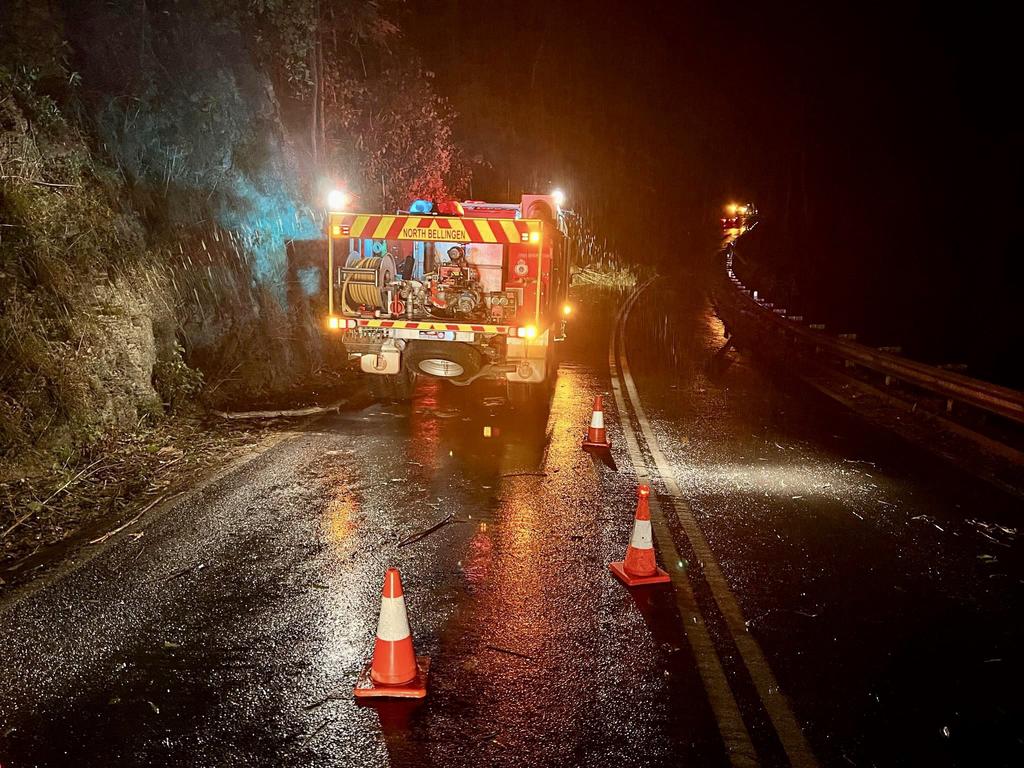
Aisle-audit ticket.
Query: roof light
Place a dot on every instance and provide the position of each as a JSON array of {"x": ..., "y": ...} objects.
[{"x": 337, "y": 199}]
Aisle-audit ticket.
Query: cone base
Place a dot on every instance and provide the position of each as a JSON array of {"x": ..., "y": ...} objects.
[
  {"x": 367, "y": 687},
  {"x": 619, "y": 569}
]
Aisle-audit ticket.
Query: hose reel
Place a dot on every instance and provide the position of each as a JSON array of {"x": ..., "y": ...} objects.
[{"x": 365, "y": 280}]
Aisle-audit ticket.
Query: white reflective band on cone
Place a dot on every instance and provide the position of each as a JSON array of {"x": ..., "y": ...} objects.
[
  {"x": 597, "y": 420},
  {"x": 393, "y": 624},
  {"x": 642, "y": 535}
]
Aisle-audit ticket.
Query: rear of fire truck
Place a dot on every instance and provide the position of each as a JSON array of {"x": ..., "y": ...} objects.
[{"x": 456, "y": 291}]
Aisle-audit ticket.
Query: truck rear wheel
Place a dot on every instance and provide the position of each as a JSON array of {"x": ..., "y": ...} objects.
[{"x": 454, "y": 361}]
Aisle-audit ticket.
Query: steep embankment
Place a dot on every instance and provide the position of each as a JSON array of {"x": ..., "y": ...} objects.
[{"x": 158, "y": 164}]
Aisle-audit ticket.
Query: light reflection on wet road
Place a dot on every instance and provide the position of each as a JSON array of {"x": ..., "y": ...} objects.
[
  {"x": 885, "y": 588},
  {"x": 232, "y": 631}
]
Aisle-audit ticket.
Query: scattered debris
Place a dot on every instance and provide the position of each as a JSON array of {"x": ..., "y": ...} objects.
[
  {"x": 108, "y": 534},
  {"x": 71, "y": 506},
  {"x": 183, "y": 571},
  {"x": 291, "y": 413},
  {"x": 423, "y": 534},
  {"x": 320, "y": 702}
]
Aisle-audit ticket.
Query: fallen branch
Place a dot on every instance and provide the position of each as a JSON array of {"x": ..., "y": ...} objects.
[
  {"x": 19, "y": 521},
  {"x": 324, "y": 700},
  {"x": 36, "y": 181},
  {"x": 312, "y": 410},
  {"x": 422, "y": 534},
  {"x": 73, "y": 479},
  {"x": 49, "y": 498},
  {"x": 510, "y": 652},
  {"x": 134, "y": 520},
  {"x": 183, "y": 571}
]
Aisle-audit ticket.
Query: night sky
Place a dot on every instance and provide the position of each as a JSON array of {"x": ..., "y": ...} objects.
[{"x": 878, "y": 142}]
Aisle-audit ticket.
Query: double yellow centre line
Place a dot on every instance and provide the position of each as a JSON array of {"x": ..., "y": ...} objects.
[{"x": 723, "y": 704}]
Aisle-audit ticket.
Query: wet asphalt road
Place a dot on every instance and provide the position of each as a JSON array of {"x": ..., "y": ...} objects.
[{"x": 232, "y": 630}]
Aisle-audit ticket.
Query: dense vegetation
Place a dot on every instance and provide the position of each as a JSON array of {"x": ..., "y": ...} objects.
[{"x": 161, "y": 166}]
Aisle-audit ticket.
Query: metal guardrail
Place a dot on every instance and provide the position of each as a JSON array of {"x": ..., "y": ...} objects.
[{"x": 954, "y": 387}]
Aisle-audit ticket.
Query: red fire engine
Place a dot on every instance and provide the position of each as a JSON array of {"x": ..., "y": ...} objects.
[{"x": 457, "y": 291}]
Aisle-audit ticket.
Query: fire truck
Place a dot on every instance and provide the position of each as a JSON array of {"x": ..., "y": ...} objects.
[{"x": 455, "y": 291}]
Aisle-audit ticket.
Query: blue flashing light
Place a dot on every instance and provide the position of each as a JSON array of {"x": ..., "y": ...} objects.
[{"x": 421, "y": 206}]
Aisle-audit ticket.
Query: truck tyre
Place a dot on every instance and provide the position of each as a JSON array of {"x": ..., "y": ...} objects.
[{"x": 454, "y": 361}]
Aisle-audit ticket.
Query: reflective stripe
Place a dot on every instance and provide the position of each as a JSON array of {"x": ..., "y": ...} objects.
[
  {"x": 486, "y": 232},
  {"x": 383, "y": 227},
  {"x": 358, "y": 224},
  {"x": 642, "y": 535},
  {"x": 393, "y": 624},
  {"x": 435, "y": 228},
  {"x": 597, "y": 420},
  {"x": 426, "y": 326}
]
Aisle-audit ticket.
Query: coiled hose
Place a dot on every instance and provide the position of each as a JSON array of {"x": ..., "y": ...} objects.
[{"x": 361, "y": 289}]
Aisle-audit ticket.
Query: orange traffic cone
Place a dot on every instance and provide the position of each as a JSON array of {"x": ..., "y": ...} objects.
[
  {"x": 596, "y": 441},
  {"x": 639, "y": 566},
  {"x": 396, "y": 670}
]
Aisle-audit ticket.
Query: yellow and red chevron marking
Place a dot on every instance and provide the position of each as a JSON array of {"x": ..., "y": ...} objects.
[
  {"x": 434, "y": 228},
  {"x": 413, "y": 325}
]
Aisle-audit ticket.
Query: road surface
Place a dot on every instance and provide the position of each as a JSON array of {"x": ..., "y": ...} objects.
[{"x": 837, "y": 598}]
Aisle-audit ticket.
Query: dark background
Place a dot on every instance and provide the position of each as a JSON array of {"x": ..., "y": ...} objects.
[{"x": 881, "y": 144}]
